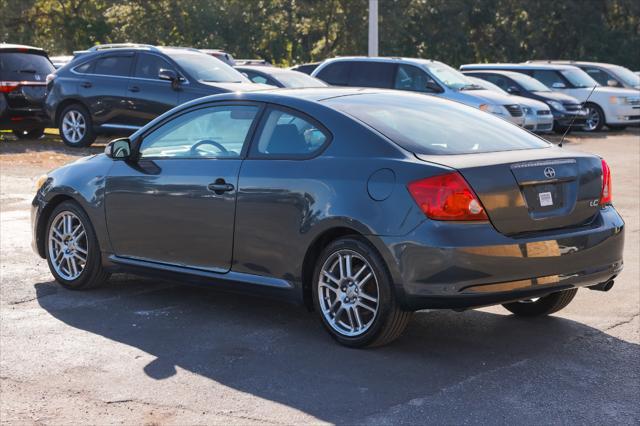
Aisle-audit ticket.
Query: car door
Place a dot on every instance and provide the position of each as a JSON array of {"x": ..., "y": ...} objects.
[
  {"x": 103, "y": 88},
  {"x": 149, "y": 96},
  {"x": 176, "y": 203}
]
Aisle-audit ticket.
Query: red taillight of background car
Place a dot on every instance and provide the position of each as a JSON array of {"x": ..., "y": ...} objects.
[
  {"x": 447, "y": 197},
  {"x": 605, "y": 195},
  {"x": 8, "y": 86}
]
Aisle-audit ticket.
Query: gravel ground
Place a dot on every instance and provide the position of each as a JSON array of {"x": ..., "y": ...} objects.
[{"x": 143, "y": 351}]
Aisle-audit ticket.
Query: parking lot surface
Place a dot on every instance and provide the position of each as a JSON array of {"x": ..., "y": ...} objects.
[{"x": 142, "y": 351}]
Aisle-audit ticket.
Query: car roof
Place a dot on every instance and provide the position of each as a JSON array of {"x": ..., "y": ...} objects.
[
  {"x": 21, "y": 47},
  {"x": 506, "y": 73},
  {"x": 392, "y": 59},
  {"x": 265, "y": 70},
  {"x": 570, "y": 62},
  {"x": 522, "y": 66}
]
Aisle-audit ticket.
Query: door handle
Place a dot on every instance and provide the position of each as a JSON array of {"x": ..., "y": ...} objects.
[
  {"x": 134, "y": 89},
  {"x": 220, "y": 187},
  {"x": 86, "y": 84}
]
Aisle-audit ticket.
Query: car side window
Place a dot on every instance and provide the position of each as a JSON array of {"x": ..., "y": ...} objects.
[
  {"x": 409, "y": 77},
  {"x": 149, "y": 66},
  {"x": 599, "y": 76},
  {"x": 372, "y": 74},
  {"x": 336, "y": 74},
  {"x": 289, "y": 135},
  {"x": 85, "y": 68},
  {"x": 502, "y": 82},
  {"x": 211, "y": 132},
  {"x": 548, "y": 77},
  {"x": 113, "y": 65}
]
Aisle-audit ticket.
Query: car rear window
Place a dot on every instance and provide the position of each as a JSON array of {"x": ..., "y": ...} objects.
[
  {"x": 428, "y": 125},
  {"x": 18, "y": 66}
]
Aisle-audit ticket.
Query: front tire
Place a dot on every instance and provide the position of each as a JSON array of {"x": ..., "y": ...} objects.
[
  {"x": 545, "y": 305},
  {"x": 353, "y": 294},
  {"x": 76, "y": 127},
  {"x": 595, "y": 118},
  {"x": 36, "y": 133},
  {"x": 72, "y": 249}
]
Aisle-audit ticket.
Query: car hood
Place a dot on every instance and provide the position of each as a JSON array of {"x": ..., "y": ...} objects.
[
  {"x": 560, "y": 97},
  {"x": 532, "y": 103},
  {"x": 237, "y": 87},
  {"x": 488, "y": 97}
]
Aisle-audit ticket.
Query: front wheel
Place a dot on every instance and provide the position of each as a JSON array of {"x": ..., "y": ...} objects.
[
  {"x": 595, "y": 118},
  {"x": 36, "y": 133},
  {"x": 545, "y": 305},
  {"x": 353, "y": 294},
  {"x": 75, "y": 126}
]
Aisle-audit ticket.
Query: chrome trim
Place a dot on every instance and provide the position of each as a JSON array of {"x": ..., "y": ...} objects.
[{"x": 119, "y": 126}]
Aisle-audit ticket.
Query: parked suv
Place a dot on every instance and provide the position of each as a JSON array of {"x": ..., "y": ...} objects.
[
  {"x": 118, "y": 89},
  {"x": 616, "y": 108},
  {"x": 417, "y": 75},
  {"x": 23, "y": 73},
  {"x": 567, "y": 111},
  {"x": 606, "y": 74}
]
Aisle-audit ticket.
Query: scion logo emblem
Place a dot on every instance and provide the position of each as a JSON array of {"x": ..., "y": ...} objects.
[{"x": 549, "y": 172}]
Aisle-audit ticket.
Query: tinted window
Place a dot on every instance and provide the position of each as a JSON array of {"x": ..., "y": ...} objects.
[
  {"x": 286, "y": 134},
  {"x": 500, "y": 81},
  {"x": 599, "y": 76},
  {"x": 207, "y": 68},
  {"x": 24, "y": 67},
  {"x": 148, "y": 66},
  {"x": 372, "y": 74},
  {"x": 548, "y": 77},
  {"x": 214, "y": 132},
  {"x": 85, "y": 68},
  {"x": 411, "y": 78},
  {"x": 336, "y": 74},
  {"x": 430, "y": 125},
  {"x": 113, "y": 65},
  {"x": 578, "y": 78}
]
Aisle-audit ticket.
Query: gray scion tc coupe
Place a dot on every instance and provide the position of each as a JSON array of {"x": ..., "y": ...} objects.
[{"x": 363, "y": 204}]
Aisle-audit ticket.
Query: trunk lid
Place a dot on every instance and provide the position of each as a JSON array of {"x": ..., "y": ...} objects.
[{"x": 531, "y": 190}]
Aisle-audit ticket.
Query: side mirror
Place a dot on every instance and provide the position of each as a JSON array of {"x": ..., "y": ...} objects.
[
  {"x": 169, "y": 75},
  {"x": 119, "y": 149},
  {"x": 612, "y": 83},
  {"x": 432, "y": 86},
  {"x": 513, "y": 90},
  {"x": 558, "y": 85}
]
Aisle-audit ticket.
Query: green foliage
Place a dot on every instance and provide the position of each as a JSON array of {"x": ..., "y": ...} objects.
[{"x": 294, "y": 31}]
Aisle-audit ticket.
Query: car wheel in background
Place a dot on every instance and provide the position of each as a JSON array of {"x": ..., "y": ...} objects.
[
  {"x": 595, "y": 118},
  {"x": 614, "y": 128},
  {"x": 75, "y": 126},
  {"x": 36, "y": 133},
  {"x": 545, "y": 305},
  {"x": 71, "y": 248},
  {"x": 353, "y": 294}
]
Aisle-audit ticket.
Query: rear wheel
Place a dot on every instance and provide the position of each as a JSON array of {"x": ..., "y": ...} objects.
[
  {"x": 595, "y": 118},
  {"x": 76, "y": 129},
  {"x": 545, "y": 305},
  {"x": 36, "y": 133},
  {"x": 71, "y": 248},
  {"x": 353, "y": 294}
]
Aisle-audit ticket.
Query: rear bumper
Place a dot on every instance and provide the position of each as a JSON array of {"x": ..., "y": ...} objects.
[
  {"x": 446, "y": 265},
  {"x": 623, "y": 115},
  {"x": 22, "y": 118}
]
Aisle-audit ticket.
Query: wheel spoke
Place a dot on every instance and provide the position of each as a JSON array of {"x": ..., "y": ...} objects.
[
  {"x": 341, "y": 265},
  {"x": 331, "y": 278},
  {"x": 368, "y": 308},
  {"x": 350, "y": 318},
  {"x": 80, "y": 257},
  {"x": 365, "y": 296},
  {"x": 328, "y": 287},
  {"x": 357, "y": 275},
  {"x": 356, "y": 314},
  {"x": 363, "y": 281},
  {"x": 347, "y": 264},
  {"x": 74, "y": 265}
]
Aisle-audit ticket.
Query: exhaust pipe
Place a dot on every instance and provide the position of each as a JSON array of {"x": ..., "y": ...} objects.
[{"x": 605, "y": 286}]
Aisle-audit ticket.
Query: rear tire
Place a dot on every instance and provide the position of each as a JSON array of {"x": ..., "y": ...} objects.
[
  {"x": 72, "y": 249},
  {"x": 545, "y": 305},
  {"x": 76, "y": 127},
  {"x": 346, "y": 299},
  {"x": 36, "y": 133}
]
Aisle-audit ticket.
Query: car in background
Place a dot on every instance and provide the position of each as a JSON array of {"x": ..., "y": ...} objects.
[
  {"x": 253, "y": 62},
  {"x": 606, "y": 74},
  {"x": 60, "y": 61},
  {"x": 118, "y": 89},
  {"x": 305, "y": 68},
  {"x": 568, "y": 113},
  {"x": 537, "y": 115},
  {"x": 279, "y": 77},
  {"x": 23, "y": 75},
  {"x": 225, "y": 57},
  {"x": 616, "y": 108},
  {"x": 417, "y": 75}
]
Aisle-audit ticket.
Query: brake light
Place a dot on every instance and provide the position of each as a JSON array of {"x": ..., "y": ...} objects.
[
  {"x": 605, "y": 195},
  {"x": 8, "y": 86},
  {"x": 447, "y": 197}
]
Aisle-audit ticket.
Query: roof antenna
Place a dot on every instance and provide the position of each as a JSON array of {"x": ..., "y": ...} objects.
[{"x": 574, "y": 117}]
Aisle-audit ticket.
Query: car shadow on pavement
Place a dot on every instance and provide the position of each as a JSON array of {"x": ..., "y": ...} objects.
[{"x": 489, "y": 363}]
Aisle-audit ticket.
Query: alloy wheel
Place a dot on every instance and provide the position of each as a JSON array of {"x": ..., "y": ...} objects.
[
  {"x": 593, "y": 119},
  {"x": 74, "y": 126},
  {"x": 348, "y": 293},
  {"x": 68, "y": 246}
]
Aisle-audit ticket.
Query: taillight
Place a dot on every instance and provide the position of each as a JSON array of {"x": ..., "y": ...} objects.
[
  {"x": 8, "y": 86},
  {"x": 605, "y": 195},
  {"x": 447, "y": 197},
  {"x": 50, "y": 78}
]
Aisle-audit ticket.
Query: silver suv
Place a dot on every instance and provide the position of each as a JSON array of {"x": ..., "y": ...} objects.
[{"x": 417, "y": 75}]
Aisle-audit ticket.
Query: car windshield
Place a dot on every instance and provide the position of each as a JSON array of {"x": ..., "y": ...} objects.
[
  {"x": 298, "y": 79},
  {"x": 18, "y": 66},
  {"x": 626, "y": 75},
  {"x": 207, "y": 68},
  {"x": 430, "y": 125},
  {"x": 579, "y": 78},
  {"x": 449, "y": 77},
  {"x": 529, "y": 83}
]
